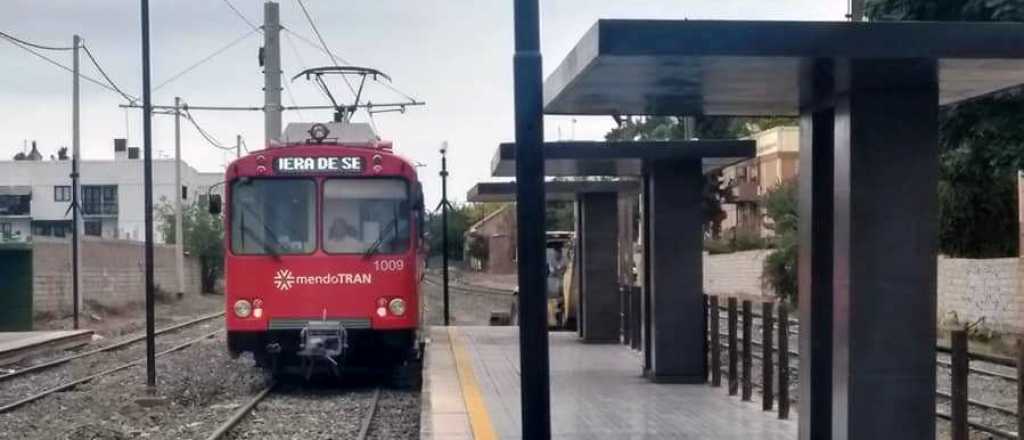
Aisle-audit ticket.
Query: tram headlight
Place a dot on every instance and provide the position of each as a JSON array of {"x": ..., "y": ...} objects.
[
  {"x": 397, "y": 307},
  {"x": 243, "y": 308}
]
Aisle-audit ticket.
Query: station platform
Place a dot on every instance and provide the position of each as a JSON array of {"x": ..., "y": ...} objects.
[
  {"x": 471, "y": 391},
  {"x": 15, "y": 346}
]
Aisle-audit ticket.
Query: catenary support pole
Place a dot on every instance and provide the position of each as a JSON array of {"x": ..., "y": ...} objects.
[
  {"x": 271, "y": 73},
  {"x": 533, "y": 331},
  {"x": 238, "y": 146},
  {"x": 147, "y": 166},
  {"x": 76, "y": 282},
  {"x": 179, "y": 233},
  {"x": 444, "y": 228}
]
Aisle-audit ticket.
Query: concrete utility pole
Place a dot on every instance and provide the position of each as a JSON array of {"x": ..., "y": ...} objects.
[
  {"x": 76, "y": 236},
  {"x": 179, "y": 233},
  {"x": 238, "y": 146},
  {"x": 271, "y": 73},
  {"x": 856, "y": 10}
]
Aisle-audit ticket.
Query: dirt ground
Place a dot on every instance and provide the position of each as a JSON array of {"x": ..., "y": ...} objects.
[{"x": 111, "y": 322}]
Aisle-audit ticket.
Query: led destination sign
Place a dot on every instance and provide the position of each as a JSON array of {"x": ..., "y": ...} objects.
[{"x": 335, "y": 164}]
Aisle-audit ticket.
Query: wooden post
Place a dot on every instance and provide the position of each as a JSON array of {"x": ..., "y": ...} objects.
[
  {"x": 1020, "y": 387},
  {"x": 783, "y": 336},
  {"x": 707, "y": 342},
  {"x": 748, "y": 317},
  {"x": 768, "y": 393},
  {"x": 958, "y": 385},
  {"x": 734, "y": 385},
  {"x": 716, "y": 344}
]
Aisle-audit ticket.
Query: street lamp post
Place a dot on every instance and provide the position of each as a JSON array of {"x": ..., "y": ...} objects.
[{"x": 444, "y": 228}]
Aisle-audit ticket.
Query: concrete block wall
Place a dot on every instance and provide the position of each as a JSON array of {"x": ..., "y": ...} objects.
[
  {"x": 970, "y": 288},
  {"x": 975, "y": 289},
  {"x": 737, "y": 272},
  {"x": 112, "y": 273}
]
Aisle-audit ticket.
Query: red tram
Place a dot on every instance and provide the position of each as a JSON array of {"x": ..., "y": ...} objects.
[{"x": 324, "y": 252}]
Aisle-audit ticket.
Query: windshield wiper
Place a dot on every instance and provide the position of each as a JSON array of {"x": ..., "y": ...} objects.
[
  {"x": 270, "y": 250},
  {"x": 380, "y": 238}
]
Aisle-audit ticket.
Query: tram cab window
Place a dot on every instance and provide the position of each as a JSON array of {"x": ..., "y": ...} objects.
[
  {"x": 361, "y": 215},
  {"x": 273, "y": 216}
]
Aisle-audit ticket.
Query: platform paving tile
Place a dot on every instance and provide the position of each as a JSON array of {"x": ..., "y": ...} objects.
[{"x": 597, "y": 392}]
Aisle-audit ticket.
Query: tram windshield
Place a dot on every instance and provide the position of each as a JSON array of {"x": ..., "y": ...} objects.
[
  {"x": 365, "y": 216},
  {"x": 273, "y": 216}
]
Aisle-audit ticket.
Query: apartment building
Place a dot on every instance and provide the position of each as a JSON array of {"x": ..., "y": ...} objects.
[
  {"x": 35, "y": 194},
  {"x": 777, "y": 160}
]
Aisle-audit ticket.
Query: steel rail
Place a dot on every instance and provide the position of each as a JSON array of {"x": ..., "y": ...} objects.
[
  {"x": 976, "y": 403},
  {"x": 112, "y": 347},
  {"x": 10, "y": 406},
  {"x": 980, "y": 357},
  {"x": 240, "y": 414},
  {"x": 979, "y": 427},
  {"x": 364, "y": 427},
  {"x": 471, "y": 290}
]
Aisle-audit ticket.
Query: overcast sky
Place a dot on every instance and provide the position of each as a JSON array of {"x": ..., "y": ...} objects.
[{"x": 454, "y": 54}]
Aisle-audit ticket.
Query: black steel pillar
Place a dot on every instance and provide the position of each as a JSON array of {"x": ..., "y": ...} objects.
[
  {"x": 675, "y": 271},
  {"x": 147, "y": 166},
  {"x": 645, "y": 293},
  {"x": 599, "y": 296},
  {"x": 444, "y": 230},
  {"x": 533, "y": 330},
  {"x": 885, "y": 242},
  {"x": 815, "y": 273}
]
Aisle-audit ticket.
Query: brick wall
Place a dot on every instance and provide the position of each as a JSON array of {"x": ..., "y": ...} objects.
[
  {"x": 112, "y": 273},
  {"x": 970, "y": 288}
]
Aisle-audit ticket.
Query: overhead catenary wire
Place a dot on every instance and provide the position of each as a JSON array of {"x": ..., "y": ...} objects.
[
  {"x": 323, "y": 43},
  {"x": 205, "y": 59},
  {"x": 242, "y": 16},
  {"x": 336, "y": 59}
]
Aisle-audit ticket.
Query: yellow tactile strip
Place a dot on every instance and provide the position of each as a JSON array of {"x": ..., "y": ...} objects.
[{"x": 479, "y": 419}]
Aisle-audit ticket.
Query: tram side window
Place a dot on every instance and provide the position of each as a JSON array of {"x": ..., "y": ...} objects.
[
  {"x": 359, "y": 213},
  {"x": 273, "y": 216}
]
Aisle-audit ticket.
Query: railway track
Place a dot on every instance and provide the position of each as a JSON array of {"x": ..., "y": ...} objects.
[
  {"x": 288, "y": 408},
  {"x": 7, "y": 407},
  {"x": 476, "y": 290},
  {"x": 141, "y": 336},
  {"x": 998, "y": 419}
]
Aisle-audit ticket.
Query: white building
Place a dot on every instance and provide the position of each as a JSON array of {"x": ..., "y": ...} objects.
[{"x": 35, "y": 194}]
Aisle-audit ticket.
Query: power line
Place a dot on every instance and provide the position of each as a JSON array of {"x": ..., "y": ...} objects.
[
  {"x": 58, "y": 64},
  {"x": 209, "y": 139},
  {"x": 242, "y": 16},
  {"x": 204, "y": 60},
  {"x": 37, "y": 46},
  {"x": 107, "y": 77}
]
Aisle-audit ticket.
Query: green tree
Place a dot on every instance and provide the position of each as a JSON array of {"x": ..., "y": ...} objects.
[
  {"x": 460, "y": 217},
  {"x": 203, "y": 237},
  {"x": 981, "y": 142},
  {"x": 780, "y": 266}
]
